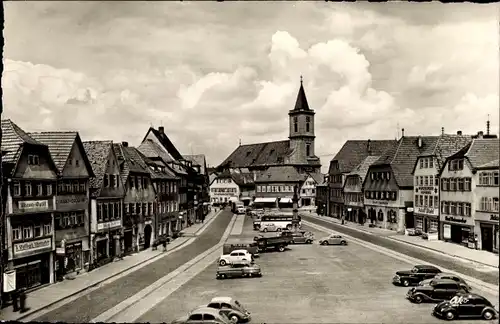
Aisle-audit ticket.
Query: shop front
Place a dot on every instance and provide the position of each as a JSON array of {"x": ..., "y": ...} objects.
[
  {"x": 33, "y": 263},
  {"x": 354, "y": 214},
  {"x": 107, "y": 241},
  {"x": 426, "y": 220},
  {"x": 486, "y": 231},
  {"x": 458, "y": 230}
]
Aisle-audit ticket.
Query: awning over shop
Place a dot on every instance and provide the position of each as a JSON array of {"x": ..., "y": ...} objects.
[
  {"x": 286, "y": 200},
  {"x": 265, "y": 200}
]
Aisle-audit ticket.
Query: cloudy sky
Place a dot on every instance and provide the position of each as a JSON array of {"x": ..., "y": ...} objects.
[{"x": 213, "y": 73}]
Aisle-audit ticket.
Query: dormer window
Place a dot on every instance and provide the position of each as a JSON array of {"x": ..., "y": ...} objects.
[{"x": 33, "y": 159}]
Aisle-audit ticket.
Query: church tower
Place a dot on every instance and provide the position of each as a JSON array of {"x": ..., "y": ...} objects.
[{"x": 302, "y": 134}]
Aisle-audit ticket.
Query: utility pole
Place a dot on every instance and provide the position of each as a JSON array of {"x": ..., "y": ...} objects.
[{"x": 295, "y": 201}]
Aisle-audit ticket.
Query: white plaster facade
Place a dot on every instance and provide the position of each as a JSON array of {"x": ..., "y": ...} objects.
[
  {"x": 224, "y": 190},
  {"x": 426, "y": 196},
  {"x": 308, "y": 192}
]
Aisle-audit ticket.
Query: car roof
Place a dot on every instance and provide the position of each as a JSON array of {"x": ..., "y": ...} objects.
[
  {"x": 222, "y": 299},
  {"x": 471, "y": 295},
  {"x": 242, "y": 251},
  {"x": 441, "y": 281},
  {"x": 425, "y": 266},
  {"x": 446, "y": 274}
]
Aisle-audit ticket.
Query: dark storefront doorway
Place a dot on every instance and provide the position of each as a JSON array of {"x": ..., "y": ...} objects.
[
  {"x": 409, "y": 220},
  {"x": 487, "y": 238},
  {"x": 128, "y": 241},
  {"x": 456, "y": 234},
  {"x": 147, "y": 236}
]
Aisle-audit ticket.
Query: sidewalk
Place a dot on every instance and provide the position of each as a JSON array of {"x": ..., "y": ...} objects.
[
  {"x": 50, "y": 295},
  {"x": 454, "y": 250}
]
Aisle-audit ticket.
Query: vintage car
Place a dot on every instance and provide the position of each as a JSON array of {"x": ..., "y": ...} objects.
[
  {"x": 270, "y": 227},
  {"x": 204, "y": 315},
  {"x": 302, "y": 237},
  {"x": 240, "y": 244},
  {"x": 444, "y": 275},
  {"x": 333, "y": 239},
  {"x": 231, "y": 307},
  {"x": 465, "y": 305},
  {"x": 238, "y": 270},
  {"x": 437, "y": 291},
  {"x": 235, "y": 257},
  {"x": 415, "y": 275}
]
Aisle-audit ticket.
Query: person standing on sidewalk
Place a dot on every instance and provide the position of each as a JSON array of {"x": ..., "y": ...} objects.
[
  {"x": 22, "y": 301},
  {"x": 164, "y": 245}
]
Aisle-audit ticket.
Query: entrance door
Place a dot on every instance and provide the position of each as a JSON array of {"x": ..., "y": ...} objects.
[
  {"x": 426, "y": 225},
  {"x": 456, "y": 234},
  {"x": 409, "y": 220},
  {"x": 147, "y": 236},
  {"x": 486, "y": 238}
]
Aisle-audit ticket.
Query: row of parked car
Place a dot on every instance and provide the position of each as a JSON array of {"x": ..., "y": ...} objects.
[{"x": 451, "y": 293}]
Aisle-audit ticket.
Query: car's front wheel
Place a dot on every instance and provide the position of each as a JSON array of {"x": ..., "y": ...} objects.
[
  {"x": 418, "y": 299},
  {"x": 222, "y": 262},
  {"x": 265, "y": 230},
  {"x": 309, "y": 242},
  {"x": 450, "y": 315},
  {"x": 234, "y": 318},
  {"x": 324, "y": 243},
  {"x": 343, "y": 243},
  {"x": 281, "y": 248},
  {"x": 278, "y": 230}
]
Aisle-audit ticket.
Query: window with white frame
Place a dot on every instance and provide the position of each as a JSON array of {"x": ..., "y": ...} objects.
[
  {"x": 39, "y": 189},
  {"x": 33, "y": 159},
  {"x": 49, "y": 189},
  {"x": 431, "y": 162},
  {"x": 37, "y": 230},
  {"x": 16, "y": 189},
  {"x": 27, "y": 232},
  {"x": 16, "y": 233},
  {"x": 28, "y": 188},
  {"x": 47, "y": 229}
]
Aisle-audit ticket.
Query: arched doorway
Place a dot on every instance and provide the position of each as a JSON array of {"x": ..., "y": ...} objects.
[{"x": 147, "y": 236}]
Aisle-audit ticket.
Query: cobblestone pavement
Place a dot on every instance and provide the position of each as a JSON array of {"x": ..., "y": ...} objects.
[
  {"x": 306, "y": 284},
  {"x": 98, "y": 301},
  {"x": 451, "y": 263}
]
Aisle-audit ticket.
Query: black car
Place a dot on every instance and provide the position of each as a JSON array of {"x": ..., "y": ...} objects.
[
  {"x": 436, "y": 291},
  {"x": 465, "y": 306},
  {"x": 415, "y": 275}
]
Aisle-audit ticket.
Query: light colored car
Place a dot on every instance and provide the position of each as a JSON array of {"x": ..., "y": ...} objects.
[
  {"x": 237, "y": 256},
  {"x": 238, "y": 270},
  {"x": 241, "y": 210},
  {"x": 204, "y": 315},
  {"x": 231, "y": 308},
  {"x": 444, "y": 275},
  {"x": 302, "y": 237},
  {"x": 269, "y": 227},
  {"x": 333, "y": 239}
]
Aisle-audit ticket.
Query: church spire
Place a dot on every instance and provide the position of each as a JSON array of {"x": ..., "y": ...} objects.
[{"x": 301, "y": 103}]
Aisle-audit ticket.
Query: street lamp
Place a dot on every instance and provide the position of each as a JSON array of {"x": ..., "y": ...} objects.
[{"x": 295, "y": 201}]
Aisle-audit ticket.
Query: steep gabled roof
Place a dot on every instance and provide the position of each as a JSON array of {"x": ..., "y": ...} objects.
[
  {"x": 259, "y": 154},
  {"x": 362, "y": 169},
  {"x": 197, "y": 159},
  {"x": 150, "y": 149},
  {"x": 166, "y": 142},
  {"x": 490, "y": 165},
  {"x": 12, "y": 139},
  {"x": 355, "y": 151},
  {"x": 317, "y": 177},
  {"x": 280, "y": 174},
  {"x": 60, "y": 145},
  {"x": 97, "y": 153},
  {"x": 403, "y": 157},
  {"x": 129, "y": 160},
  {"x": 479, "y": 152},
  {"x": 301, "y": 102},
  {"x": 445, "y": 145}
]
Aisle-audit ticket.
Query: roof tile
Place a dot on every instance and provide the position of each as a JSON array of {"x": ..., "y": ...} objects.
[
  {"x": 12, "y": 139},
  {"x": 259, "y": 154},
  {"x": 97, "y": 153},
  {"x": 60, "y": 145},
  {"x": 281, "y": 174}
]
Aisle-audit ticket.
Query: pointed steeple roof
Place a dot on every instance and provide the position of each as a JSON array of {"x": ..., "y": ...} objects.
[{"x": 301, "y": 103}]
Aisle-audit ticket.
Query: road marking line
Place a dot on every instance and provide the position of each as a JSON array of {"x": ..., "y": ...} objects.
[
  {"x": 238, "y": 226},
  {"x": 44, "y": 310},
  {"x": 132, "y": 301},
  {"x": 486, "y": 287}
]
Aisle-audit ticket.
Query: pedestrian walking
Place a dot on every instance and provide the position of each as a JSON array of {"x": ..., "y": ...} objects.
[{"x": 164, "y": 246}]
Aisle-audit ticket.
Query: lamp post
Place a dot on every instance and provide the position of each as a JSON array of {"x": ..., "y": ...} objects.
[{"x": 295, "y": 201}]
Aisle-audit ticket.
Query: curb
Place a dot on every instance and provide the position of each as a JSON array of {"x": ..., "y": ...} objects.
[
  {"x": 112, "y": 276},
  {"x": 408, "y": 243}
]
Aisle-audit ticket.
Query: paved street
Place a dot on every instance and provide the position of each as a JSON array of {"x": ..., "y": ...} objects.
[
  {"x": 307, "y": 284},
  {"x": 490, "y": 277},
  {"x": 98, "y": 301}
]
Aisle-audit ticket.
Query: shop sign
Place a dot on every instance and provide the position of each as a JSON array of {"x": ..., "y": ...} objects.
[
  {"x": 409, "y": 209},
  {"x": 455, "y": 219},
  {"x": 447, "y": 231},
  {"x": 32, "y": 247},
  {"x": 427, "y": 210},
  {"x": 106, "y": 225},
  {"x": 148, "y": 222},
  {"x": 60, "y": 251},
  {"x": 378, "y": 202},
  {"x": 71, "y": 201},
  {"x": 425, "y": 190},
  {"x": 33, "y": 205}
]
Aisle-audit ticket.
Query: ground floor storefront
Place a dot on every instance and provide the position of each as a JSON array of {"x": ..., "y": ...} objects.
[
  {"x": 72, "y": 256},
  {"x": 307, "y": 201},
  {"x": 486, "y": 231},
  {"x": 428, "y": 224},
  {"x": 459, "y": 233},
  {"x": 106, "y": 246},
  {"x": 32, "y": 271},
  {"x": 392, "y": 218},
  {"x": 355, "y": 214},
  {"x": 335, "y": 209}
]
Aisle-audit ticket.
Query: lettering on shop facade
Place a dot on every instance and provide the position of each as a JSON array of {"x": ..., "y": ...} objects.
[
  {"x": 426, "y": 190},
  {"x": 455, "y": 219},
  {"x": 427, "y": 211},
  {"x": 33, "y": 205},
  {"x": 107, "y": 225},
  {"x": 32, "y": 247},
  {"x": 71, "y": 202}
]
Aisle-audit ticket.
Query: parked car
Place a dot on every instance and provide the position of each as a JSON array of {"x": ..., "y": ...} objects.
[
  {"x": 239, "y": 244},
  {"x": 256, "y": 223},
  {"x": 272, "y": 243},
  {"x": 449, "y": 276},
  {"x": 241, "y": 210},
  {"x": 235, "y": 257},
  {"x": 415, "y": 275},
  {"x": 333, "y": 239},
  {"x": 204, "y": 315},
  {"x": 437, "y": 291},
  {"x": 465, "y": 306},
  {"x": 270, "y": 227},
  {"x": 302, "y": 237},
  {"x": 238, "y": 270},
  {"x": 232, "y": 308}
]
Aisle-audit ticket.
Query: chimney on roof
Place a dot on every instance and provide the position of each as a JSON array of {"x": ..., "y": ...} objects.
[
  {"x": 161, "y": 129},
  {"x": 459, "y": 133},
  {"x": 480, "y": 134},
  {"x": 125, "y": 144},
  {"x": 442, "y": 130},
  {"x": 368, "y": 147},
  {"x": 402, "y": 132}
]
